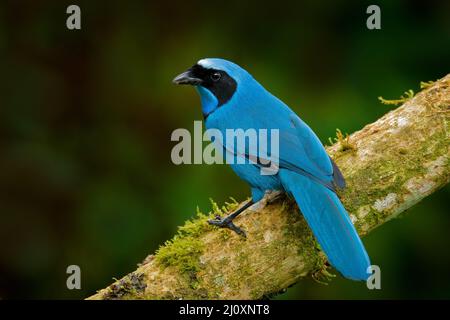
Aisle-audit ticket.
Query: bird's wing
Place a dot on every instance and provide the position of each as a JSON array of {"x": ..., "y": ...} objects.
[{"x": 300, "y": 150}]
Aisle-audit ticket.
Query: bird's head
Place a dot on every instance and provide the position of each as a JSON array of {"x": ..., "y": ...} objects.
[{"x": 216, "y": 80}]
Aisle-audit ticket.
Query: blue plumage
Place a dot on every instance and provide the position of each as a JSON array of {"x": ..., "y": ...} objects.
[{"x": 232, "y": 99}]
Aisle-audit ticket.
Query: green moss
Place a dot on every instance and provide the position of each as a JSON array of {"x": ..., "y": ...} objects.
[
  {"x": 403, "y": 151},
  {"x": 194, "y": 227},
  {"x": 216, "y": 210},
  {"x": 343, "y": 141},
  {"x": 426, "y": 84},
  {"x": 403, "y": 98},
  {"x": 224, "y": 234},
  {"x": 183, "y": 251}
]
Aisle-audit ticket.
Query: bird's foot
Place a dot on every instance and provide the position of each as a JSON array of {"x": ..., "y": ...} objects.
[{"x": 227, "y": 223}]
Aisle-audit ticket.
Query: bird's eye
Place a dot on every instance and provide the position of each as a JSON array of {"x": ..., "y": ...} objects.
[{"x": 216, "y": 76}]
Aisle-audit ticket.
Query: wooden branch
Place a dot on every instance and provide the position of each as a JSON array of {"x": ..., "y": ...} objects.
[{"x": 389, "y": 165}]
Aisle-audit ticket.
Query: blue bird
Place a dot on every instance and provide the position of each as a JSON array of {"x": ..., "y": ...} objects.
[{"x": 232, "y": 99}]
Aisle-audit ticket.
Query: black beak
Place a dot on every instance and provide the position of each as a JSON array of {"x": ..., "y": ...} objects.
[{"x": 187, "y": 78}]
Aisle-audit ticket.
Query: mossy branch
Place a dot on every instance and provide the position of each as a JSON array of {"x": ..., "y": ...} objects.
[{"x": 394, "y": 163}]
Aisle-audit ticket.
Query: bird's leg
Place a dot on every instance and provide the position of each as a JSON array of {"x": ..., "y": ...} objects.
[{"x": 227, "y": 222}]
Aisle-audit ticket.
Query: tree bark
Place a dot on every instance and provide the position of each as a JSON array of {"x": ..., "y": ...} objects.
[{"x": 389, "y": 165}]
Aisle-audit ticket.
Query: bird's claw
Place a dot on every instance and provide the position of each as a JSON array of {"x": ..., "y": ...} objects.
[{"x": 225, "y": 223}]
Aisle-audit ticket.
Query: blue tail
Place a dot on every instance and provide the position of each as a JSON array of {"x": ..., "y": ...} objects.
[{"x": 330, "y": 223}]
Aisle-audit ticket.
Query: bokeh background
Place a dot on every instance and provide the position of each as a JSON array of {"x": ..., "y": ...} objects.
[{"x": 86, "y": 117}]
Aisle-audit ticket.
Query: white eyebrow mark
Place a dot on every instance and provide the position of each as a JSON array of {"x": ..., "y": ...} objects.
[{"x": 206, "y": 63}]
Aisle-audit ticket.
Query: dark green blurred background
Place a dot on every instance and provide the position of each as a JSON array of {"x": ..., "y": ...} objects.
[{"x": 86, "y": 117}]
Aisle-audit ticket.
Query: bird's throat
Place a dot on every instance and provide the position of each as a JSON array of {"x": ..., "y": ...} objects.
[{"x": 208, "y": 100}]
